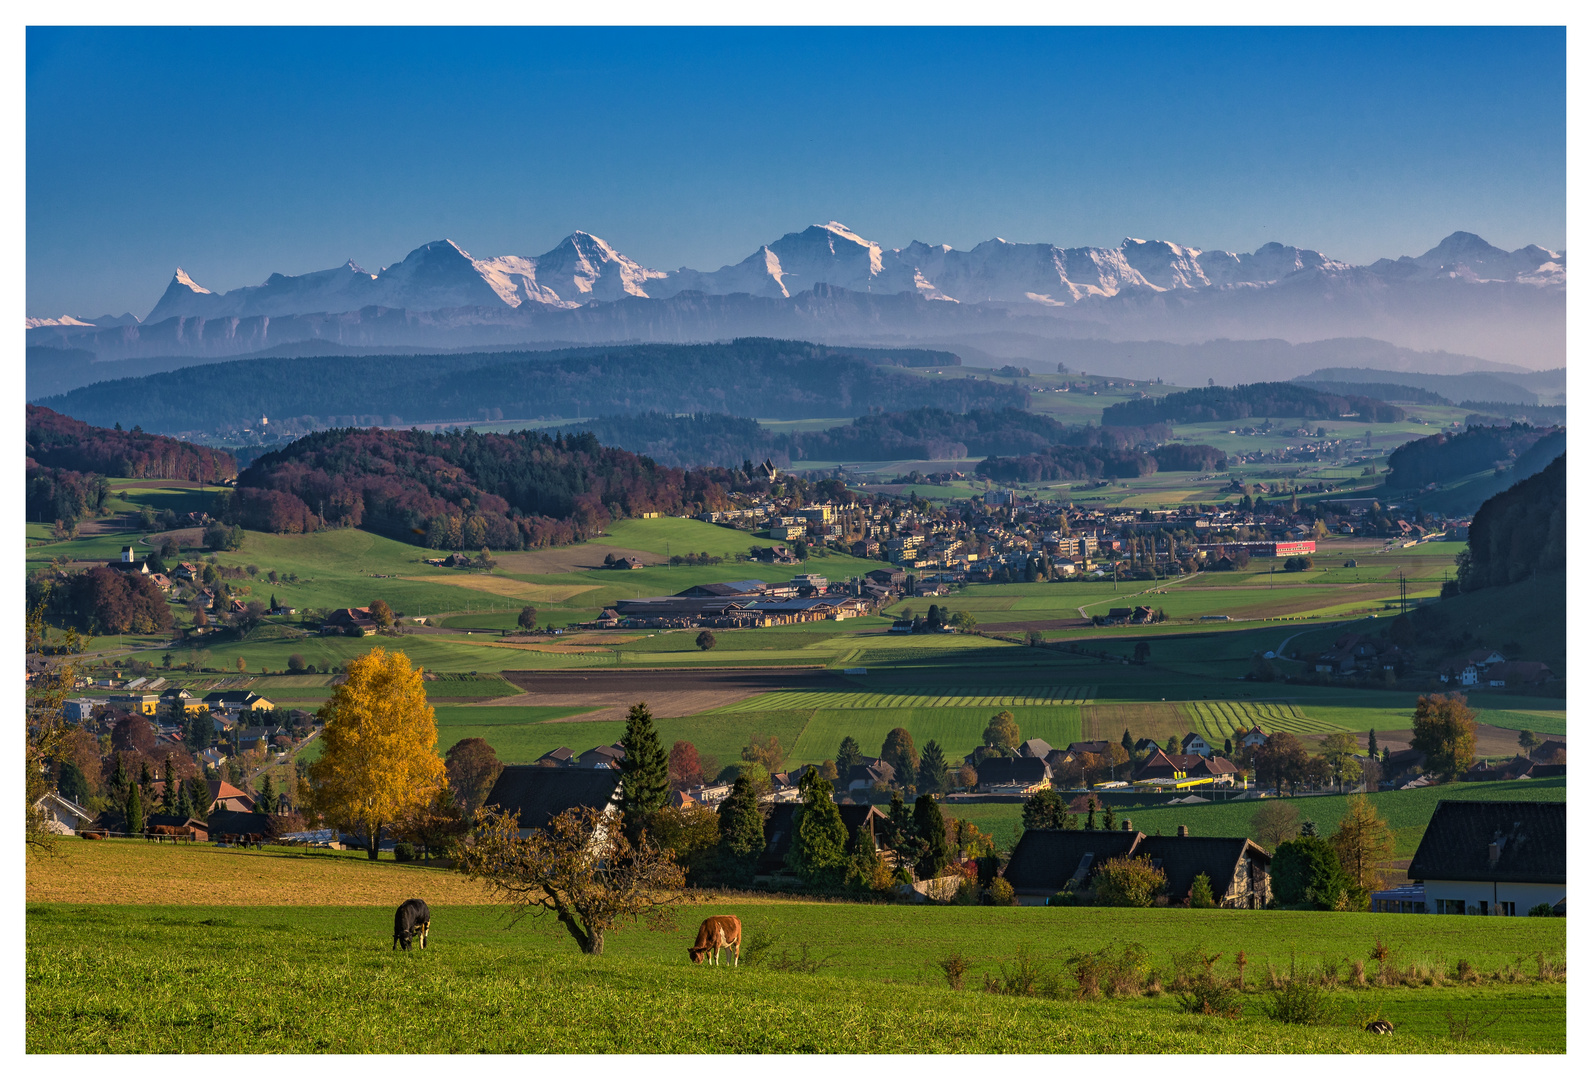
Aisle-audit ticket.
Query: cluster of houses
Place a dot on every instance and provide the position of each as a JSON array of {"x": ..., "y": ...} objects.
[
  {"x": 1476, "y": 858},
  {"x": 732, "y": 604},
  {"x": 1037, "y": 765},
  {"x": 1487, "y": 667}
]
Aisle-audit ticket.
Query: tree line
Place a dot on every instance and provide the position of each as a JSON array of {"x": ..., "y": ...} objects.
[
  {"x": 1518, "y": 532},
  {"x": 61, "y": 442},
  {"x": 747, "y": 377},
  {"x": 1248, "y": 400},
  {"x": 1446, "y": 456}
]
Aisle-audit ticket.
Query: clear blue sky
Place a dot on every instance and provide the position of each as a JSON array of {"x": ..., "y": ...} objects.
[{"x": 236, "y": 153}]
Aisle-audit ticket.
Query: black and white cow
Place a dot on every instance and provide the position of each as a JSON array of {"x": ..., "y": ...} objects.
[{"x": 413, "y": 919}]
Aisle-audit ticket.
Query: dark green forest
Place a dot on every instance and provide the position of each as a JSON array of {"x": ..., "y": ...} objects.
[
  {"x": 745, "y": 377},
  {"x": 1518, "y": 532},
  {"x": 1446, "y": 456},
  {"x": 1246, "y": 401}
]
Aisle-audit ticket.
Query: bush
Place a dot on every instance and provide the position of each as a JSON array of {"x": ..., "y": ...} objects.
[
  {"x": 1199, "y": 894},
  {"x": 1210, "y": 996},
  {"x": 1124, "y": 882},
  {"x": 1001, "y": 893},
  {"x": 1541, "y": 911},
  {"x": 403, "y": 852},
  {"x": 1297, "y": 1001},
  {"x": 955, "y": 967}
]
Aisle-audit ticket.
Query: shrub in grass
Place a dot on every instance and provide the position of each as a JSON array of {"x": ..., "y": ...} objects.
[
  {"x": 1209, "y": 996},
  {"x": 755, "y": 949},
  {"x": 1001, "y": 893},
  {"x": 403, "y": 852},
  {"x": 1469, "y": 1024},
  {"x": 1464, "y": 972},
  {"x": 1550, "y": 969},
  {"x": 1199, "y": 894},
  {"x": 1297, "y": 1001},
  {"x": 955, "y": 968},
  {"x": 1541, "y": 911}
]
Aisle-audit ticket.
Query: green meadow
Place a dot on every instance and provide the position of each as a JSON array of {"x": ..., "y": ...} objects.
[{"x": 121, "y": 980}]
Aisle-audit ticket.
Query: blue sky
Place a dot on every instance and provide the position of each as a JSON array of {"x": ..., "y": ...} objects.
[{"x": 236, "y": 153}]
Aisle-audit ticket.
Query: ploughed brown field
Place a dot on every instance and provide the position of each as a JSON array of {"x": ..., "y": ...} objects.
[
  {"x": 674, "y": 692},
  {"x": 1491, "y": 742}
]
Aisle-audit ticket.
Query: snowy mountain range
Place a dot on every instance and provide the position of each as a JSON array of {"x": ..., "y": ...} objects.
[
  {"x": 827, "y": 282},
  {"x": 582, "y": 268}
]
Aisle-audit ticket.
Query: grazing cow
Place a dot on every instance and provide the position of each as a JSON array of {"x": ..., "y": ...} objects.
[
  {"x": 715, "y": 933},
  {"x": 160, "y": 833},
  {"x": 1379, "y": 1027},
  {"x": 413, "y": 919}
]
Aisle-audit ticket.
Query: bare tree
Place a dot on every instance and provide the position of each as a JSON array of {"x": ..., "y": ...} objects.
[{"x": 581, "y": 869}]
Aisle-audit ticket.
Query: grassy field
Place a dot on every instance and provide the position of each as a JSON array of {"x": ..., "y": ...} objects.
[
  {"x": 1406, "y": 812},
  {"x": 120, "y": 979}
]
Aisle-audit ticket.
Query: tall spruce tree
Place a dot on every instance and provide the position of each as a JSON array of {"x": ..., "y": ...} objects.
[
  {"x": 134, "y": 811},
  {"x": 865, "y": 871},
  {"x": 266, "y": 803},
  {"x": 740, "y": 833},
  {"x": 818, "y": 848},
  {"x": 118, "y": 782},
  {"x": 168, "y": 793},
  {"x": 1370, "y": 744},
  {"x": 934, "y": 854},
  {"x": 1090, "y": 822},
  {"x": 645, "y": 768},
  {"x": 1111, "y": 819},
  {"x": 850, "y": 755},
  {"x": 931, "y": 769}
]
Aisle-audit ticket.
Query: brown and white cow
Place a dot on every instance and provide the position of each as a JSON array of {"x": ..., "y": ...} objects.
[{"x": 717, "y": 932}]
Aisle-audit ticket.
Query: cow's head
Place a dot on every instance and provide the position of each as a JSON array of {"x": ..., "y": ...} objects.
[{"x": 696, "y": 954}]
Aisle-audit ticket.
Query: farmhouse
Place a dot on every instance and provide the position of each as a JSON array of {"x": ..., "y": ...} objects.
[
  {"x": 223, "y": 796},
  {"x": 62, "y": 815},
  {"x": 1492, "y": 858},
  {"x": 1049, "y": 861},
  {"x": 536, "y": 795}
]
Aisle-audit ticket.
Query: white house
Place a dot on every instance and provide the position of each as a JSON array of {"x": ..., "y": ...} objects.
[
  {"x": 62, "y": 815},
  {"x": 1492, "y": 858},
  {"x": 1194, "y": 743}
]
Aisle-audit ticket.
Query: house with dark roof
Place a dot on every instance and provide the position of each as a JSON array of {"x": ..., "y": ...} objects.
[
  {"x": 1016, "y": 776},
  {"x": 537, "y": 795},
  {"x": 1034, "y": 748},
  {"x": 868, "y": 772},
  {"x": 1492, "y": 858},
  {"x": 602, "y": 757},
  {"x": 1048, "y": 861},
  {"x": 557, "y": 758},
  {"x": 1194, "y": 743},
  {"x": 1548, "y": 750},
  {"x": 1098, "y": 747}
]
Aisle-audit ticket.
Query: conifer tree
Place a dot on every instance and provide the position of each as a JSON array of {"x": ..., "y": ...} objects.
[
  {"x": 645, "y": 767},
  {"x": 818, "y": 848},
  {"x": 134, "y": 811},
  {"x": 866, "y": 871},
  {"x": 168, "y": 795},
  {"x": 1370, "y": 744},
  {"x": 934, "y": 854},
  {"x": 1090, "y": 823},
  {"x": 850, "y": 755},
  {"x": 740, "y": 832},
  {"x": 931, "y": 769},
  {"x": 1111, "y": 819},
  {"x": 266, "y": 803},
  {"x": 118, "y": 784}
]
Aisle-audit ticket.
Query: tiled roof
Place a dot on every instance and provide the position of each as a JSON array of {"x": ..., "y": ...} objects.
[
  {"x": 1531, "y": 837},
  {"x": 538, "y": 795}
]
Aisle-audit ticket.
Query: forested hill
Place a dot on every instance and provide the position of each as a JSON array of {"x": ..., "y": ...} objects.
[
  {"x": 927, "y": 434},
  {"x": 61, "y": 442},
  {"x": 465, "y": 490},
  {"x": 1252, "y": 400},
  {"x": 746, "y": 377},
  {"x": 1440, "y": 458},
  {"x": 1518, "y": 532}
]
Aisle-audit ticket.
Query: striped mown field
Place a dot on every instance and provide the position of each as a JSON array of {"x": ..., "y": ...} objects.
[
  {"x": 951, "y": 697},
  {"x": 1219, "y": 719}
]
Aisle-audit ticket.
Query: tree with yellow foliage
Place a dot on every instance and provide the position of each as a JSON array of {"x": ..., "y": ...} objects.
[
  {"x": 1362, "y": 841},
  {"x": 379, "y": 762}
]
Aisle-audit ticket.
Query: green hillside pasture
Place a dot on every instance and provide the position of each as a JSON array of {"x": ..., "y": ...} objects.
[
  {"x": 1406, "y": 812},
  {"x": 118, "y": 980},
  {"x": 958, "y": 730},
  {"x": 508, "y": 729},
  {"x": 521, "y": 735}
]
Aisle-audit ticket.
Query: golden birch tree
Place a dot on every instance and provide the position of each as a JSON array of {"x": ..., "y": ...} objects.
[{"x": 379, "y": 762}]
